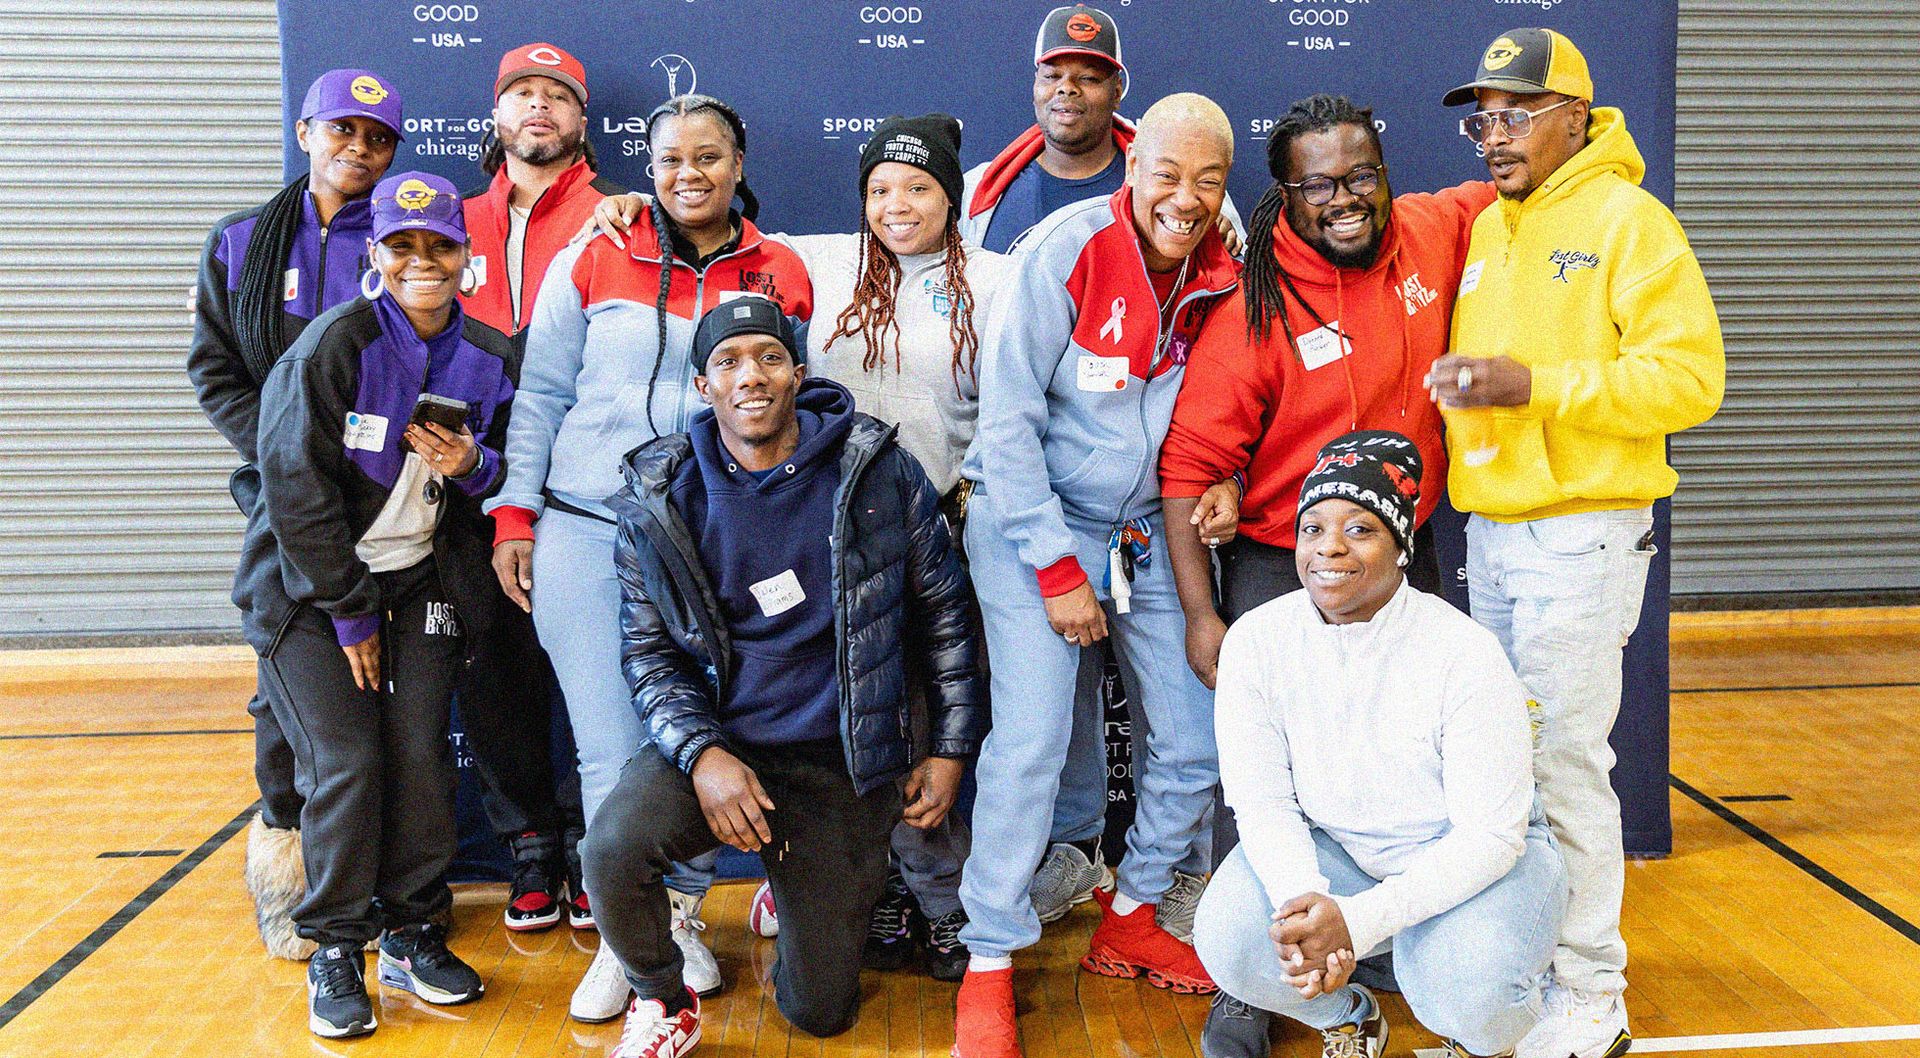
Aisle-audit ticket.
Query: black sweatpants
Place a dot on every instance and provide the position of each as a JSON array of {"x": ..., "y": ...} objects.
[
  {"x": 827, "y": 865},
  {"x": 507, "y": 702},
  {"x": 272, "y": 761},
  {"x": 374, "y": 766}
]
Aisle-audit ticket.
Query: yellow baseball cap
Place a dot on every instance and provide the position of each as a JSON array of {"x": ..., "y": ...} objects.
[{"x": 1528, "y": 62}]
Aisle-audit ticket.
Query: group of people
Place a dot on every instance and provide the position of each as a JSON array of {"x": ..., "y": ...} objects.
[{"x": 800, "y": 529}]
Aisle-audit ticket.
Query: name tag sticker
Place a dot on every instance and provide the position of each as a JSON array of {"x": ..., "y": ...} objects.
[
  {"x": 1102, "y": 374},
  {"x": 366, "y": 432},
  {"x": 1323, "y": 346},
  {"x": 293, "y": 285},
  {"x": 479, "y": 266},
  {"x": 779, "y": 594},
  {"x": 1470, "y": 278}
]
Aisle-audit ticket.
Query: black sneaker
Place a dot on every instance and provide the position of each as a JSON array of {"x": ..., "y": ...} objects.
[
  {"x": 416, "y": 959},
  {"x": 890, "y": 931},
  {"x": 337, "y": 1002},
  {"x": 1235, "y": 1030},
  {"x": 579, "y": 908},
  {"x": 534, "y": 903},
  {"x": 946, "y": 956}
]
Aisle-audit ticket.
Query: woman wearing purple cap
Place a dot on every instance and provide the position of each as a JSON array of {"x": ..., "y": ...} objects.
[
  {"x": 265, "y": 272},
  {"x": 380, "y": 432}
]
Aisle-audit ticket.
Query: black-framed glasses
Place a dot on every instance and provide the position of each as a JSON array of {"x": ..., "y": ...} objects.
[
  {"x": 1360, "y": 181},
  {"x": 1517, "y": 121}
]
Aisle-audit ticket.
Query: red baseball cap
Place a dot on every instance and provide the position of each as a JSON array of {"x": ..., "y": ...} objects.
[{"x": 544, "y": 60}]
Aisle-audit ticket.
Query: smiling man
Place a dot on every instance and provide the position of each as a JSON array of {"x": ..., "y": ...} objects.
[
  {"x": 1584, "y": 335},
  {"x": 1346, "y": 299},
  {"x": 1374, "y": 744},
  {"x": 1079, "y": 368},
  {"x": 784, "y": 567}
]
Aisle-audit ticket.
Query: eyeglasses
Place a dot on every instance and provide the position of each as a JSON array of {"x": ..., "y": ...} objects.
[
  {"x": 1360, "y": 181},
  {"x": 1518, "y": 122}
]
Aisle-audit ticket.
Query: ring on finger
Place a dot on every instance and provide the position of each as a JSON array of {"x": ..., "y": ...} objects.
[{"x": 1465, "y": 379}]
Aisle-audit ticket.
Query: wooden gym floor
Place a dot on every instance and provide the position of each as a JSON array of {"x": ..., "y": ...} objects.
[{"x": 1788, "y": 910}]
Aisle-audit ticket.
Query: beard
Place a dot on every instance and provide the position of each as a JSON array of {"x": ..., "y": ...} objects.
[
  {"x": 543, "y": 152},
  {"x": 1361, "y": 256}
]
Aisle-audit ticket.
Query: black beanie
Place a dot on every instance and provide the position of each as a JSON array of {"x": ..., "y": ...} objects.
[
  {"x": 930, "y": 142},
  {"x": 751, "y": 314},
  {"x": 1377, "y": 469}
]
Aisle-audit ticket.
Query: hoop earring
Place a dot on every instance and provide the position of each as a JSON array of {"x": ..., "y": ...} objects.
[
  {"x": 469, "y": 280},
  {"x": 1401, "y": 561},
  {"x": 371, "y": 292}
]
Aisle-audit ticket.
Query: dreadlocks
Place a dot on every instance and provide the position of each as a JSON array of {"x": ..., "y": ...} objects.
[
  {"x": 259, "y": 320},
  {"x": 663, "y": 226},
  {"x": 1261, "y": 284},
  {"x": 870, "y": 314}
]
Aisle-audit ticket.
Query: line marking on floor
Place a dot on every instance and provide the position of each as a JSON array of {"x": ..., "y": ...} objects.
[
  {"x": 1735, "y": 1040},
  {"x": 105, "y": 932}
]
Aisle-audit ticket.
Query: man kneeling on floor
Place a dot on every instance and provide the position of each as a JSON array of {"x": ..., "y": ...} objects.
[
  {"x": 1376, "y": 749},
  {"x": 777, "y": 563}
]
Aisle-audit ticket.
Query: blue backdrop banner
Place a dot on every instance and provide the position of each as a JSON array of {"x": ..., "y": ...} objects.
[{"x": 813, "y": 77}]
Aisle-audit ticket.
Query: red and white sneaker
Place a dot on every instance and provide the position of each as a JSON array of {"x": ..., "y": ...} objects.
[
  {"x": 1135, "y": 946},
  {"x": 761, "y": 916},
  {"x": 651, "y": 1032},
  {"x": 983, "y": 1016}
]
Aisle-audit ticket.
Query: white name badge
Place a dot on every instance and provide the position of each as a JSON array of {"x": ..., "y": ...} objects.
[
  {"x": 1102, "y": 374},
  {"x": 1323, "y": 346},
  {"x": 777, "y": 595},
  {"x": 1470, "y": 278},
  {"x": 293, "y": 285},
  {"x": 366, "y": 432},
  {"x": 479, "y": 266}
]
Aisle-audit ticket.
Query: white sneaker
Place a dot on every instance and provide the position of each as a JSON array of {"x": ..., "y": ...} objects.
[
  {"x": 1178, "y": 904},
  {"x": 1066, "y": 877},
  {"x": 1578, "y": 1024},
  {"x": 762, "y": 917},
  {"x": 603, "y": 991},
  {"x": 650, "y": 1033},
  {"x": 699, "y": 970}
]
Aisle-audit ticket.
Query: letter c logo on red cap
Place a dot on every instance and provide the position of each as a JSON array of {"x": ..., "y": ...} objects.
[{"x": 545, "y": 57}]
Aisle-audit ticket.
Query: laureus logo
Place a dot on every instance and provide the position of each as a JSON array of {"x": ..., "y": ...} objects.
[{"x": 674, "y": 66}]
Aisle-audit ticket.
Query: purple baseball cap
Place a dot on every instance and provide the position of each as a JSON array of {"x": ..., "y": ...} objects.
[
  {"x": 353, "y": 93},
  {"x": 417, "y": 200}
]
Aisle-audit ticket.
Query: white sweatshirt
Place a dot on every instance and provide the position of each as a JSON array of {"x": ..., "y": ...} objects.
[
  {"x": 935, "y": 413},
  {"x": 1405, "y": 738}
]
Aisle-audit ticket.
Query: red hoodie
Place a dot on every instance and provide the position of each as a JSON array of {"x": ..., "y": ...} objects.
[
  {"x": 1258, "y": 407},
  {"x": 558, "y": 214}
]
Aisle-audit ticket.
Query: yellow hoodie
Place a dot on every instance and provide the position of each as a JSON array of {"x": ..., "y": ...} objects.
[{"x": 1589, "y": 282}]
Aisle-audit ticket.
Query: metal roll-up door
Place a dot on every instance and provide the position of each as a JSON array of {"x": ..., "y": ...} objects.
[
  {"x": 1798, "y": 180},
  {"x": 126, "y": 129}
]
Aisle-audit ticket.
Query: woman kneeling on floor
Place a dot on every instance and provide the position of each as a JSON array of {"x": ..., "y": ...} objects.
[
  {"x": 1375, "y": 748},
  {"x": 371, "y": 567}
]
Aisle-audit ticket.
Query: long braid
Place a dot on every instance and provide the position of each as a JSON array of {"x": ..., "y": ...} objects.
[
  {"x": 662, "y": 231},
  {"x": 259, "y": 314},
  {"x": 966, "y": 341},
  {"x": 870, "y": 314},
  {"x": 1262, "y": 280}
]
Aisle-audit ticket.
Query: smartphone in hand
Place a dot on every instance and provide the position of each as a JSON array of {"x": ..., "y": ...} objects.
[{"x": 446, "y": 412}]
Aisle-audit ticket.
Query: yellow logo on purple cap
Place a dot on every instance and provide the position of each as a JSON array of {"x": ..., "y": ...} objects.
[
  {"x": 1500, "y": 54},
  {"x": 368, "y": 90},
  {"x": 414, "y": 195}
]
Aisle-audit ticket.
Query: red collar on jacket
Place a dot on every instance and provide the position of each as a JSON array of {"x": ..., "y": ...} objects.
[
  {"x": 500, "y": 192},
  {"x": 1019, "y": 154},
  {"x": 1214, "y": 268},
  {"x": 645, "y": 238}
]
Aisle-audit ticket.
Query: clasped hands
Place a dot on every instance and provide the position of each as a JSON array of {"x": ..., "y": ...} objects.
[{"x": 1315, "y": 949}]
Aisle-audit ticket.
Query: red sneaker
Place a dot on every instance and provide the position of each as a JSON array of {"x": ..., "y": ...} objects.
[
  {"x": 1134, "y": 945},
  {"x": 983, "y": 1025}
]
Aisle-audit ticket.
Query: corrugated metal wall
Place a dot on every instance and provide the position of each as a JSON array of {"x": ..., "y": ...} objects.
[
  {"x": 126, "y": 129},
  {"x": 1798, "y": 182}
]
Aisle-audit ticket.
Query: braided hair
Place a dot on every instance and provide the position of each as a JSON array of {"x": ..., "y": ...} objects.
[
  {"x": 871, "y": 312},
  {"x": 663, "y": 226},
  {"x": 1261, "y": 283},
  {"x": 259, "y": 319}
]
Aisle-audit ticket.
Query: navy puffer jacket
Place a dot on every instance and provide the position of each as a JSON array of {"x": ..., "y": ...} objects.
[{"x": 898, "y": 588}]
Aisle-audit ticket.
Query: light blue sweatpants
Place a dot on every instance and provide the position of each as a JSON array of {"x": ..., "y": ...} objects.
[
  {"x": 1035, "y": 672},
  {"x": 1473, "y": 973},
  {"x": 576, "y": 613}
]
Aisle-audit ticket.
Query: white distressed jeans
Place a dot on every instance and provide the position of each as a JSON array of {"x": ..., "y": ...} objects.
[{"x": 1563, "y": 594}]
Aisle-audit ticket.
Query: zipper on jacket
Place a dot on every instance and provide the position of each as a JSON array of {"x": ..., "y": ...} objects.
[
  {"x": 320, "y": 291},
  {"x": 842, "y": 659}
]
